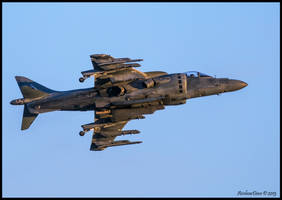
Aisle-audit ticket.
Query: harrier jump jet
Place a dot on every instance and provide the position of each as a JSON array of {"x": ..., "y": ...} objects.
[{"x": 121, "y": 93}]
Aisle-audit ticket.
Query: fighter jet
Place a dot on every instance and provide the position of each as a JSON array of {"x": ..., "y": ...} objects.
[{"x": 120, "y": 94}]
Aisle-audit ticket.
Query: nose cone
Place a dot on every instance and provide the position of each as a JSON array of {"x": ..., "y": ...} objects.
[{"x": 235, "y": 85}]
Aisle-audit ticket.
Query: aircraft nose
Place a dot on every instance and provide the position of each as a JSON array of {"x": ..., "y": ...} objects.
[{"x": 235, "y": 85}]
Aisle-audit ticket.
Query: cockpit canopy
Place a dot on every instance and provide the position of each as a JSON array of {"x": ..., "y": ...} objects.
[{"x": 196, "y": 74}]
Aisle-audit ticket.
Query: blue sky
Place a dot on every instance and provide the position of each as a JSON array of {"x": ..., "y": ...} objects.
[{"x": 211, "y": 146}]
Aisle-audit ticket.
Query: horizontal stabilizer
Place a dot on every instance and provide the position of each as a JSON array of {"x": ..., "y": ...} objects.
[{"x": 28, "y": 118}]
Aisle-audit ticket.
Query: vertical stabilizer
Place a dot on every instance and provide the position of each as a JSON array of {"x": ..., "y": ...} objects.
[{"x": 31, "y": 89}]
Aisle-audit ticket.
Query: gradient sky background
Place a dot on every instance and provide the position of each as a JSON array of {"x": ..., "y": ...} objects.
[{"x": 211, "y": 146}]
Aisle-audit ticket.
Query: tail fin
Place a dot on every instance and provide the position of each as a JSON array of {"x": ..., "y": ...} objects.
[
  {"x": 31, "y": 89},
  {"x": 28, "y": 118}
]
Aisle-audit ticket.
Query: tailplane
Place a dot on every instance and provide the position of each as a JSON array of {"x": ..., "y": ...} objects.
[
  {"x": 28, "y": 118},
  {"x": 31, "y": 91}
]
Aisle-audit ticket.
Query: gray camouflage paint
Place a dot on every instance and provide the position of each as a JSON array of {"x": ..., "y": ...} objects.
[{"x": 121, "y": 93}]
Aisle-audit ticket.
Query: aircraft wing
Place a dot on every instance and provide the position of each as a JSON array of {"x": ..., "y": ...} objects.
[
  {"x": 104, "y": 62},
  {"x": 106, "y": 130},
  {"x": 110, "y": 70},
  {"x": 109, "y": 124},
  {"x": 106, "y": 135}
]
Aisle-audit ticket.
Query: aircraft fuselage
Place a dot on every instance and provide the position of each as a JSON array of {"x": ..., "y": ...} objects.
[{"x": 173, "y": 89}]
